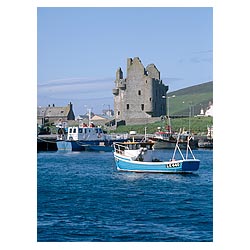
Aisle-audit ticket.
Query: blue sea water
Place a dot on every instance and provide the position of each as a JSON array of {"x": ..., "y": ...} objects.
[{"x": 82, "y": 197}]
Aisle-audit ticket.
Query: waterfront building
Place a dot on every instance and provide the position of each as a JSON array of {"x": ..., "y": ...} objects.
[
  {"x": 53, "y": 114},
  {"x": 141, "y": 96},
  {"x": 209, "y": 111}
]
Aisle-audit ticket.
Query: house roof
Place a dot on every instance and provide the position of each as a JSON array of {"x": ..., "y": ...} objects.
[{"x": 53, "y": 111}]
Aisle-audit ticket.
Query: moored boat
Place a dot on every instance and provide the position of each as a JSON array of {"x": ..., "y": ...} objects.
[
  {"x": 167, "y": 140},
  {"x": 138, "y": 157},
  {"x": 82, "y": 138},
  {"x": 205, "y": 143},
  {"x": 208, "y": 141}
]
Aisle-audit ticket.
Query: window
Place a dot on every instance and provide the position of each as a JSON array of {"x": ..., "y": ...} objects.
[
  {"x": 139, "y": 92},
  {"x": 74, "y": 130},
  {"x": 80, "y": 130},
  {"x": 142, "y": 106},
  {"x": 118, "y": 113},
  {"x": 127, "y": 106},
  {"x": 150, "y": 99}
]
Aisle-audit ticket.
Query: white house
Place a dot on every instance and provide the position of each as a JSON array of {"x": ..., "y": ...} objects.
[{"x": 209, "y": 111}]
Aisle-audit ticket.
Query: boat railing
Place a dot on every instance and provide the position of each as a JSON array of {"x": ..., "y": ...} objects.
[
  {"x": 119, "y": 148},
  {"x": 114, "y": 136}
]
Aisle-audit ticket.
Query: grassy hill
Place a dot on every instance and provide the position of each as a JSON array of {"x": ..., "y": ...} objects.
[{"x": 190, "y": 99}]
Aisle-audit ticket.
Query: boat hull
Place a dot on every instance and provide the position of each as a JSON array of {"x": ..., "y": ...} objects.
[
  {"x": 70, "y": 145},
  {"x": 180, "y": 166},
  {"x": 165, "y": 144}
]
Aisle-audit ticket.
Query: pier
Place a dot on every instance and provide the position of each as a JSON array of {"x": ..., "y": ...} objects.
[{"x": 46, "y": 142}]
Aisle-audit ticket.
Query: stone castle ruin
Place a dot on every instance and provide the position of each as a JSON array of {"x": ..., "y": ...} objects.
[{"x": 139, "y": 98}]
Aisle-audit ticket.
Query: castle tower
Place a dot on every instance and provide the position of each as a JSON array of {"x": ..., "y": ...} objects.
[{"x": 140, "y": 94}]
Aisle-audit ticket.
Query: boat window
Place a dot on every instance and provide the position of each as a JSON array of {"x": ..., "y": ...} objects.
[
  {"x": 85, "y": 131},
  {"x": 70, "y": 130},
  {"x": 96, "y": 130},
  {"x": 80, "y": 130},
  {"x": 74, "y": 130}
]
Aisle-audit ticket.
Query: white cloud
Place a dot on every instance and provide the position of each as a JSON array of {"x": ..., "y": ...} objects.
[
  {"x": 91, "y": 92},
  {"x": 76, "y": 88}
]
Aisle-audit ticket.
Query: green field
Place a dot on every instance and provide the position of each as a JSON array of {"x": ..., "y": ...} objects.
[{"x": 198, "y": 125}]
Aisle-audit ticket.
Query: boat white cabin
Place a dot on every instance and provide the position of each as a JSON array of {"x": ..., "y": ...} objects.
[{"x": 86, "y": 134}]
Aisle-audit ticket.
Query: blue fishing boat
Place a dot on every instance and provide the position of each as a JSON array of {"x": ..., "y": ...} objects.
[{"x": 138, "y": 157}]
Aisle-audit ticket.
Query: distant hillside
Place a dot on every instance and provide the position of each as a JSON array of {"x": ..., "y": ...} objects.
[{"x": 193, "y": 98}]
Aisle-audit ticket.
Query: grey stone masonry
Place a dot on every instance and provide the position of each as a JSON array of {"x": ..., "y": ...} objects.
[{"x": 141, "y": 94}]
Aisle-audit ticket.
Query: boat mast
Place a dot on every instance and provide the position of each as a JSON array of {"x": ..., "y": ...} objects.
[
  {"x": 89, "y": 114},
  {"x": 169, "y": 123}
]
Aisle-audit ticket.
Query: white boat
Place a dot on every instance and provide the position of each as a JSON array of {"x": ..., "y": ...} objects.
[
  {"x": 86, "y": 137},
  {"x": 82, "y": 138},
  {"x": 138, "y": 157}
]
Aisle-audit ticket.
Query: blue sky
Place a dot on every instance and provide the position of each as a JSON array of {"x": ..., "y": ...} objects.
[{"x": 80, "y": 49}]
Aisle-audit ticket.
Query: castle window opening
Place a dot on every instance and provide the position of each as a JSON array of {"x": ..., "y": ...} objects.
[
  {"x": 127, "y": 106},
  {"x": 139, "y": 92},
  {"x": 118, "y": 112},
  {"x": 142, "y": 107}
]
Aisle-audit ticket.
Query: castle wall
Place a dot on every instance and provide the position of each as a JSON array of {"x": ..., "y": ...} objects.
[{"x": 139, "y": 95}]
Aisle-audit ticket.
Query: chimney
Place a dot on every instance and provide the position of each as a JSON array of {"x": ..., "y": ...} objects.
[{"x": 70, "y": 105}]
